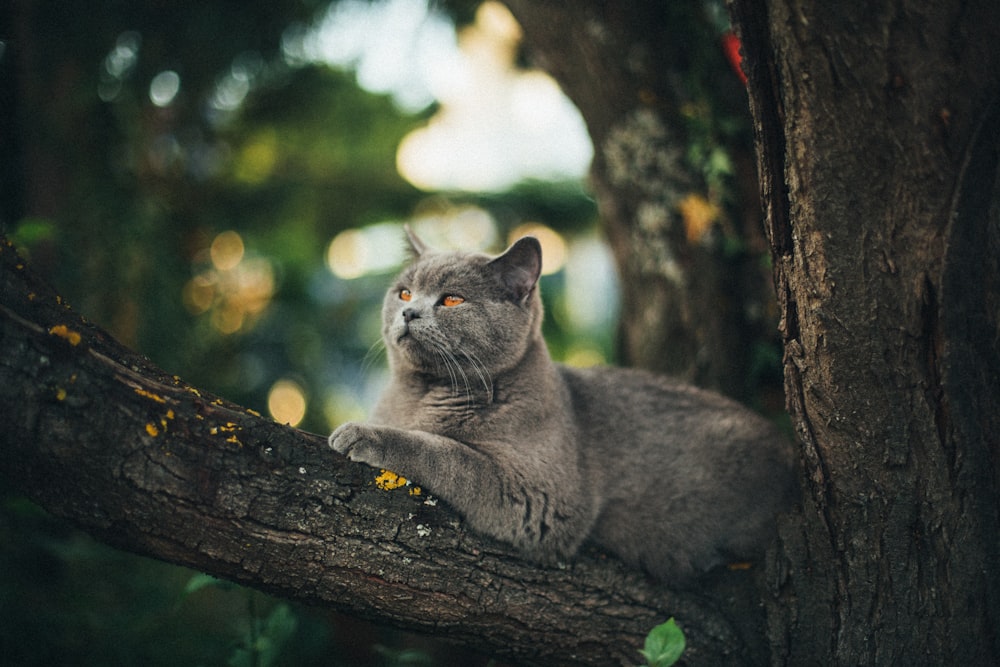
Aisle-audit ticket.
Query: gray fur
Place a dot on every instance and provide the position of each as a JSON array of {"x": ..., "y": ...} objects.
[{"x": 669, "y": 477}]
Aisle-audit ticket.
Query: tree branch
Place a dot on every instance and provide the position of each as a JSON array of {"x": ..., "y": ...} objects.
[{"x": 98, "y": 435}]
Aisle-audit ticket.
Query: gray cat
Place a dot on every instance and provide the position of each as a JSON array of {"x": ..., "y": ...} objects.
[{"x": 671, "y": 478}]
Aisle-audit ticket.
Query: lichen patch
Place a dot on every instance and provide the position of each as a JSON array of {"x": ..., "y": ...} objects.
[
  {"x": 150, "y": 395},
  {"x": 64, "y": 332}
]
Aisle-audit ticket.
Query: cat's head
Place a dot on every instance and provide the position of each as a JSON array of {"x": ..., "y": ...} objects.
[{"x": 473, "y": 310}]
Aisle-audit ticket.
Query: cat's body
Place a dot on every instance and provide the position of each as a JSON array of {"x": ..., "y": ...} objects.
[{"x": 668, "y": 477}]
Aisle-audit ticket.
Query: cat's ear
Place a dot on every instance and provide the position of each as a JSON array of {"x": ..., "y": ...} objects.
[
  {"x": 520, "y": 266},
  {"x": 417, "y": 247}
]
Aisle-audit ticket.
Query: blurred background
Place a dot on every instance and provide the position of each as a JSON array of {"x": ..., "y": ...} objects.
[{"x": 222, "y": 185}]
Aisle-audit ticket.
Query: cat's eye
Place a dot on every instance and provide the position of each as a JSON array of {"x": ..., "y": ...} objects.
[
  {"x": 405, "y": 294},
  {"x": 451, "y": 300}
]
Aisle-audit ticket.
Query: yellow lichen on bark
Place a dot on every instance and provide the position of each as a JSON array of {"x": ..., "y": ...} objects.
[
  {"x": 61, "y": 330},
  {"x": 388, "y": 480},
  {"x": 150, "y": 395}
]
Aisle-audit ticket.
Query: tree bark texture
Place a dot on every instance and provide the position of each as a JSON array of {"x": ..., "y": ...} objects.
[
  {"x": 97, "y": 435},
  {"x": 640, "y": 73},
  {"x": 878, "y": 132}
]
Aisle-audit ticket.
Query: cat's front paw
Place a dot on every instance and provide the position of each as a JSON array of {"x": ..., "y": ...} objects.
[{"x": 358, "y": 442}]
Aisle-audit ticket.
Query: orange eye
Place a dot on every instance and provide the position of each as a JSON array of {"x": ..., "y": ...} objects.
[
  {"x": 405, "y": 294},
  {"x": 451, "y": 300}
]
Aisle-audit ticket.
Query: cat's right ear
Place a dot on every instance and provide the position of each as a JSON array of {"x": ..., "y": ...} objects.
[
  {"x": 417, "y": 247},
  {"x": 520, "y": 266}
]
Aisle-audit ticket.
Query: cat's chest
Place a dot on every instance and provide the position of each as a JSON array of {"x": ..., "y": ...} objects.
[
  {"x": 450, "y": 413},
  {"x": 494, "y": 413}
]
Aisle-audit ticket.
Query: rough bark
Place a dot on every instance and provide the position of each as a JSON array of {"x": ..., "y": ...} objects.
[
  {"x": 631, "y": 70},
  {"x": 98, "y": 435},
  {"x": 878, "y": 132}
]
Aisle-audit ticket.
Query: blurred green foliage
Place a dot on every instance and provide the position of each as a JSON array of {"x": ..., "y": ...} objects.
[{"x": 118, "y": 201}]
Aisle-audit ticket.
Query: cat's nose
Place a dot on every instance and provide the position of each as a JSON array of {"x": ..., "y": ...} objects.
[{"x": 410, "y": 314}]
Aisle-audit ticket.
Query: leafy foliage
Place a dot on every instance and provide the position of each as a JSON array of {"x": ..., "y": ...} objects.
[{"x": 664, "y": 645}]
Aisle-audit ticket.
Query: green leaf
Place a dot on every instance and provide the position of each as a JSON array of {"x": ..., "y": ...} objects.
[{"x": 664, "y": 645}]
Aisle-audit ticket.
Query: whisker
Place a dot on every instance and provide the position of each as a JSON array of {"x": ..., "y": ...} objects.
[
  {"x": 441, "y": 352},
  {"x": 481, "y": 371},
  {"x": 376, "y": 350},
  {"x": 454, "y": 369},
  {"x": 455, "y": 366},
  {"x": 465, "y": 378}
]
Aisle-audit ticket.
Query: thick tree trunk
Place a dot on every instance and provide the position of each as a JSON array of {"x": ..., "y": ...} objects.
[
  {"x": 878, "y": 134},
  {"x": 95, "y": 434}
]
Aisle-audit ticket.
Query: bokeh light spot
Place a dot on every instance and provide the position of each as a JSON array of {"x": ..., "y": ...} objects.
[
  {"x": 497, "y": 124},
  {"x": 346, "y": 254},
  {"x": 227, "y": 250},
  {"x": 553, "y": 245},
  {"x": 287, "y": 402},
  {"x": 199, "y": 293},
  {"x": 234, "y": 290},
  {"x": 373, "y": 249},
  {"x": 496, "y": 19},
  {"x": 164, "y": 88},
  {"x": 227, "y": 319}
]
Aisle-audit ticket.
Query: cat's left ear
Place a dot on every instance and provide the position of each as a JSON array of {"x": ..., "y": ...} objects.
[
  {"x": 417, "y": 247},
  {"x": 520, "y": 266}
]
